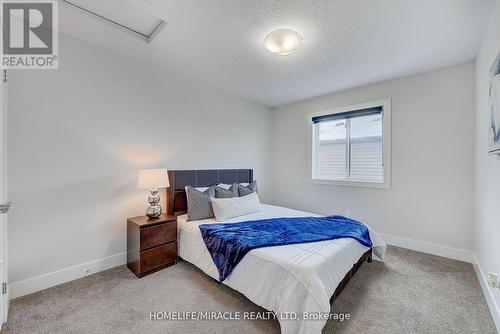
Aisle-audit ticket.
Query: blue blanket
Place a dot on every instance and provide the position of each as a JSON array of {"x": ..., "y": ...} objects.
[{"x": 229, "y": 243}]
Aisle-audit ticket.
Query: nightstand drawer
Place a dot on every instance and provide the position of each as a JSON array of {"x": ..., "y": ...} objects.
[
  {"x": 158, "y": 235},
  {"x": 158, "y": 257}
]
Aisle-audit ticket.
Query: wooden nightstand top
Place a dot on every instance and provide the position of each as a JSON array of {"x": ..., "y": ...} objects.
[{"x": 144, "y": 221}]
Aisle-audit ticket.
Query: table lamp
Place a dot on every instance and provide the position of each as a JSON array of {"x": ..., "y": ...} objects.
[{"x": 153, "y": 179}]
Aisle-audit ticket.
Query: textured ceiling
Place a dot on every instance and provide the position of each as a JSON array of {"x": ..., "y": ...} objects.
[{"x": 347, "y": 43}]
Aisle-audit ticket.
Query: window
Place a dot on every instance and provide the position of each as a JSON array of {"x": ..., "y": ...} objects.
[{"x": 351, "y": 146}]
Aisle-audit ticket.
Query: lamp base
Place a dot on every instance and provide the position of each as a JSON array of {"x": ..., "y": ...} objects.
[{"x": 154, "y": 209}]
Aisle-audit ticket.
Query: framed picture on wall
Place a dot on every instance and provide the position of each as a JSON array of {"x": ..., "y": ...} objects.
[{"x": 494, "y": 136}]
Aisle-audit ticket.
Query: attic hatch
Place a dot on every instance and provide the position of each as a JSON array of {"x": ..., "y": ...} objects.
[{"x": 127, "y": 15}]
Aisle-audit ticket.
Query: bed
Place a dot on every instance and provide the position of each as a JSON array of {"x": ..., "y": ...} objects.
[{"x": 289, "y": 280}]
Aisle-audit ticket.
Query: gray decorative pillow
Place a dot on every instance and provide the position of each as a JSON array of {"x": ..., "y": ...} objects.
[
  {"x": 199, "y": 206},
  {"x": 247, "y": 190},
  {"x": 221, "y": 192}
]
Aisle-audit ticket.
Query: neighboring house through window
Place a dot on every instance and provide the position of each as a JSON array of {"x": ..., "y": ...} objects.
[{"x": 351, "y": 145}]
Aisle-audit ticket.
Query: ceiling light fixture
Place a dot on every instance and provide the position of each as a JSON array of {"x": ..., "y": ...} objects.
[{"x": 282, "y": 42}]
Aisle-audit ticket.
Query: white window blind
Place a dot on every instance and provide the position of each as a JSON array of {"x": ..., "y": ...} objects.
[{"x": 348, "y": 146}]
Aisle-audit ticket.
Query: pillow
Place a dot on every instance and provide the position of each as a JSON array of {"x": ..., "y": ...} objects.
[
  {"x": 221, "y": 192},
  {"x": 246, "y": 190},
  {"x": 225, "y": 186},
  {"x": 202, "y": 189},
  {"x": 227, "y": 208},
  {"x": 199, "y": 206}
]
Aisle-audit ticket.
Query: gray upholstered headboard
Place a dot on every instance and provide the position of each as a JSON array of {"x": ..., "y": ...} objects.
[{"x": 179, "y": 179}]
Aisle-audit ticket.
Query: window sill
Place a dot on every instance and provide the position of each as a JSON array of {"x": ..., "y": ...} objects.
[{"x": 346, "y": 183}]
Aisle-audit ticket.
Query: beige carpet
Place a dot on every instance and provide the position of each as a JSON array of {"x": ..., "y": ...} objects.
[{"x": 411, "y": 293}]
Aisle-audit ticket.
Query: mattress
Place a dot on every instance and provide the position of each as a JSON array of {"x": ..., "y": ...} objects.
[{"x": 296, "y": 279}]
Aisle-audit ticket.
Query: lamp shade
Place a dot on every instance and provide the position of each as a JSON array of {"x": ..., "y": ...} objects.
[{"x": 153, "y": 178}]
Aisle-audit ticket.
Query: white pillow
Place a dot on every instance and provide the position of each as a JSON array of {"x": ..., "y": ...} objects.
[
  {"x": 227, "y": 186},
  {"x": 227, "y": 208}
]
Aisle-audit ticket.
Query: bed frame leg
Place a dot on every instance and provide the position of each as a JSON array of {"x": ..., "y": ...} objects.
[{"x": 369, "y": 259}]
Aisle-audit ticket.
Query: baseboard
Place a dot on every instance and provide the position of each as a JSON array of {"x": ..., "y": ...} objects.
[
  {"x": 488, "y": 294},
  {"x": 430, "y": 248},
  {"x": 30, "y": 285},
  {"x": 34, "y": 284}
]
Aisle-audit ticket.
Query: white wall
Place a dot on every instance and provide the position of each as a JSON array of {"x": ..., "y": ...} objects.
[
  {"x": 432, "y": 159},
  {"x": 487, "y": 171},
  {"x": 78, "y": 135}
]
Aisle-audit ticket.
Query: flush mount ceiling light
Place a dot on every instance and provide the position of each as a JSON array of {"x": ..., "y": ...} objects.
[{"x": 282, "y": 42}]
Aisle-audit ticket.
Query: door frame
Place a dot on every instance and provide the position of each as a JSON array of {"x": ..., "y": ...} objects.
[{"x": 4, "y": 296}]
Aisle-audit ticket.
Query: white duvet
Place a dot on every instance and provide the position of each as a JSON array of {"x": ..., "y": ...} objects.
[{"x": 293, "y": 278}]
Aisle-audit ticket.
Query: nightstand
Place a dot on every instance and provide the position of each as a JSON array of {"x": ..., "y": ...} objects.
[{"x": 151, "y": 243}]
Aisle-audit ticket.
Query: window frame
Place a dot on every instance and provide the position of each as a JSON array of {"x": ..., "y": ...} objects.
[{"x": 386, "y": 146}]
